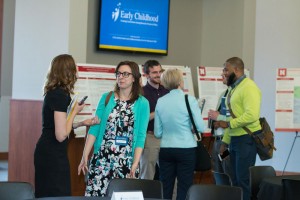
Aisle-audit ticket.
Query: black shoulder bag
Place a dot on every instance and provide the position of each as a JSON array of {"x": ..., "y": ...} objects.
[{"x": 203, "y": 158}]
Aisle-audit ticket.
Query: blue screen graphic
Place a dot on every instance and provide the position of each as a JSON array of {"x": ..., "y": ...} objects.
[{"x": 131, "y": 25}]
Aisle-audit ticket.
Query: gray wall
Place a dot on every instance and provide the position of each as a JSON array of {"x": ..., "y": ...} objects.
[
  {"x": 277, "y": 45},
  {"x": 6, "y": 71}
]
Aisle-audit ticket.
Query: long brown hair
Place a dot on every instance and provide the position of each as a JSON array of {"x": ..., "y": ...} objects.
[
  {"x": 62, "y": 73},
  {"x": 136, "y": 89}
]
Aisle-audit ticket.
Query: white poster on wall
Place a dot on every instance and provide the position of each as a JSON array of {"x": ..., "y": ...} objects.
[
  {"x": 287, "y": 111},
  {"x": 93, "y": 81},
  {"x": 210, "y": 86}
]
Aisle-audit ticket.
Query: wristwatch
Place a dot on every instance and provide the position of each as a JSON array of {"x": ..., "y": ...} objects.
[{"x": 228, "y": 124}]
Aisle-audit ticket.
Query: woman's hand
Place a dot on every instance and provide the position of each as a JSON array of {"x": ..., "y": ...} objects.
[
  {"x": 133, "y": 170},
  {"x": 212, "y": 114},
  {"x": 78, "y": 108},
  {"x": 92, "y": 121},
  {"x": 83, "y": 166}
]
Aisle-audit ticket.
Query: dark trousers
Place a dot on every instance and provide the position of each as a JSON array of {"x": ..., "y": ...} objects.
[
  {"x": 223, "y": 166},
  {"x": 180, "y": 163},
  {"x": 242, "y": 156}
]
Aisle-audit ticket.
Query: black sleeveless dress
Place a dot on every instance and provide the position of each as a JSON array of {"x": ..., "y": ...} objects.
[{"x": 52, "y": 170}]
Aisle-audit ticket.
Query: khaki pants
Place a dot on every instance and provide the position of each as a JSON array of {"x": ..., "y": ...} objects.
[{"x": 149, "y": 157}]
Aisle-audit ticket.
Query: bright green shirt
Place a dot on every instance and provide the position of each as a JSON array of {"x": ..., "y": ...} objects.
[{"x": 245, "y": 103}]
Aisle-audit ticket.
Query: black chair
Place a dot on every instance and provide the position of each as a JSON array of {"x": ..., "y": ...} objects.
[
  {"x": 291, "y": 189},
  {"x": 257, "y": 174},
  {"x": 16, "y": 190},
  {"x": 150, "y": 188},
  {"x": 222, "y": 178},
  {"x": 214, "y": 192}
]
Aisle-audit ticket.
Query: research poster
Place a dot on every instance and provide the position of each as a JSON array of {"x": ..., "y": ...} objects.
[
  {"x": 287, "y": 111},
  {"x": 93, "y": 81},
  {"x": 210, "y": 86}
]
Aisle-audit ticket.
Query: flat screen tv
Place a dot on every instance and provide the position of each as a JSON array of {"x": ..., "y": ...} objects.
[{"x": 134, "y": 25}]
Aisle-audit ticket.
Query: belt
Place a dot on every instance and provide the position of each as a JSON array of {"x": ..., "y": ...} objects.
[{"x": 218, "y": 138}]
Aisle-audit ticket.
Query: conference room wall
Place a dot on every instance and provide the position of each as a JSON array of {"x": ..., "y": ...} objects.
[
  {"x": 277, "y": 45},
  {"x": 6, "y": 71}
]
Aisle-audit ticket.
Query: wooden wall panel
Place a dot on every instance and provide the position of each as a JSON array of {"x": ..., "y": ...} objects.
[
  {"x": 75, "y": 150},
  {"x": 24, "y": 130},
  {"x": 4, "y": 156}
]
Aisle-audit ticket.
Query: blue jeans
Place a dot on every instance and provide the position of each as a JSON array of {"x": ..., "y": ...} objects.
[
  {"x": 220, "y": 166},
  {"x": 180, "y": 163},
  {"x": 242, "y": 156}
]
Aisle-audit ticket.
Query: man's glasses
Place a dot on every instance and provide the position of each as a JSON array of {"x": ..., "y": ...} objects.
[{"x": 124, "y": 74}]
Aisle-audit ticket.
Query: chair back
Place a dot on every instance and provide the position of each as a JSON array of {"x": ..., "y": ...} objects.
[
  {"x": 150, "y": 188},
  {"x": 257, "y": 174},
  {"x": 291, "y": 189},
  {"x": 222, "y": 178},
  {"x": 214, "y": 192},
  {"x": 16, "y": 190}
]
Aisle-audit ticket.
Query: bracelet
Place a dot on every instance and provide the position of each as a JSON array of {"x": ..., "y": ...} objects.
[{"x": 73, "y": 126}]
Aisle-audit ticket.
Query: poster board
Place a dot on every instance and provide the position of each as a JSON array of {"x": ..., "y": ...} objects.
[
  {"x": 287, "y": 108},
  {"x": 210, "y": 86},
  {"x": 93, "y": 81},
  {"x": 187, "y": 77}
]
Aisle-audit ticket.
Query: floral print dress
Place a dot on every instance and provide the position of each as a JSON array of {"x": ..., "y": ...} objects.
[{"x": 113, "y": 160}]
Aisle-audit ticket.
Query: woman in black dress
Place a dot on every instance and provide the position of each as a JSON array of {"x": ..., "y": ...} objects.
[{"x": 52, "y": 171}]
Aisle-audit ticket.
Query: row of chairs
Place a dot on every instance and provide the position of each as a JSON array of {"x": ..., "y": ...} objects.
[
  {"x": 150, "y": 188},
  {"x": 154, "y": 189},
  {"x": 257, "y": 174}
]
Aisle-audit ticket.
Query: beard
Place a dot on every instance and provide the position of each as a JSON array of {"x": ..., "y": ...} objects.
[
  {"x": 231, "y": 79},
  {"x": 155, "y": 80}
]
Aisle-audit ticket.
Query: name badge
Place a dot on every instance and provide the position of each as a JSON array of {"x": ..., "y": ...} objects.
[
  {"x": 138, "y": 195},
  {"x": 121, "y": 140}
]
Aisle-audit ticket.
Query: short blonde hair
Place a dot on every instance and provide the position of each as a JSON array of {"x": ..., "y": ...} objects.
[{"x": 171, "y": 78}]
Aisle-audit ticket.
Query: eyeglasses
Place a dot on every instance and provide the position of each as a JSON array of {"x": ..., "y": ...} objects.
[{"x": 124, "y": 74}]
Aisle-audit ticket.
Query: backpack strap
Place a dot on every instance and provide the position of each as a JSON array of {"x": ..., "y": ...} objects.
[{"x": 108, "y": 97}]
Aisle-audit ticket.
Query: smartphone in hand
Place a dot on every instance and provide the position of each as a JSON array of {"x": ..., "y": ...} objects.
[
  {"x": 82, "y": 100},
  {"x": 224, "y": 155}
]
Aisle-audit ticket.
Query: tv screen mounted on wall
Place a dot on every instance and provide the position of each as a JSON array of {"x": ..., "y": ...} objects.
[{"x": 136, "y": 26}]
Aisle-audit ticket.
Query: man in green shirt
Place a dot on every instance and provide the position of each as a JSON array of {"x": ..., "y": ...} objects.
[{"x": 243, "y": 101}]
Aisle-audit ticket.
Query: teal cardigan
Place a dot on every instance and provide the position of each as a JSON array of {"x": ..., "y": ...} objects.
[{"x": 141, "y": 112}]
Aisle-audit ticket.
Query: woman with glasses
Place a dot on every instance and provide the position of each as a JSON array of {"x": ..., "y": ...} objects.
[{"x": 119, "y": 138}]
